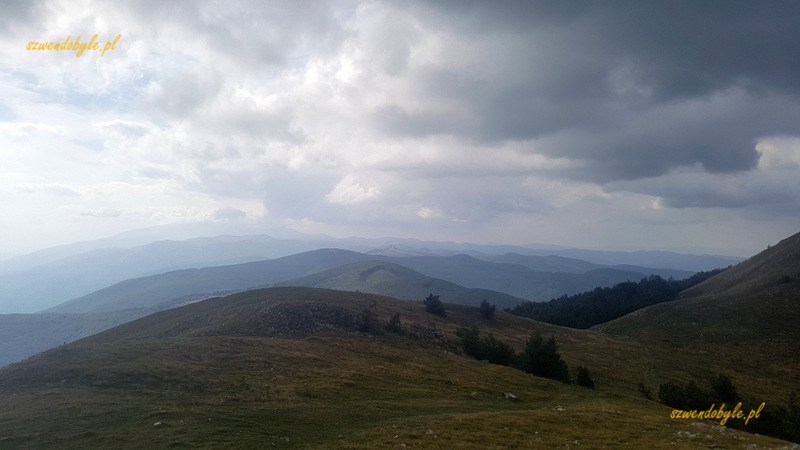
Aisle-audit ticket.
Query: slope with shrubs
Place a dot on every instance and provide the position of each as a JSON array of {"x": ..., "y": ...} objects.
[{"x": 290, "y": 368}]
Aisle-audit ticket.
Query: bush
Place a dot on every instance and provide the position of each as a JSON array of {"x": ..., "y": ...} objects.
[
  {"x": 488, "y": 348},
  {"x": 369, "y": 322},
  {"x": 434, "y": 306},
  {"x": 584, "y": 378},
  {"x": 723, "y": 390},
  {"x": 645, "y": 391},
  {"x": 394, "y": 324},
  {"x": 487, "y": 310}
]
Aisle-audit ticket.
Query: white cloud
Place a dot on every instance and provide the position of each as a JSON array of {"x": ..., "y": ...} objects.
[{"x": 350, "y": 191}]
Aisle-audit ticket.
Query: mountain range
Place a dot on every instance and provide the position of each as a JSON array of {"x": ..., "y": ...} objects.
[
  {"x": 46, "y": 278},
  {"x": 293, "y": 367}
]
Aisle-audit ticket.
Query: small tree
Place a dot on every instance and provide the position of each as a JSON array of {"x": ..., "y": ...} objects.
[
  {"x": 583, "y": 378},
  {"x": 541, "y": 358},
  {"x": 369, "y": 322},
  {"x": 394, "y": 324},
  {"x": 724, "y": 390},
  {"x": 434, "y": 306},
  {"x": 487, "y": 310},
  {"x": 645, "y": 391}
]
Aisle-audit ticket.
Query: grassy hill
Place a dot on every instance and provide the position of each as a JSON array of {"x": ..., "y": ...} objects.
[
  {"x": 744, "y": 321},
  {"x": 393, "y": 280},
  {"x": 287, "y": 368},
  {"x": 165, "y": 288}
]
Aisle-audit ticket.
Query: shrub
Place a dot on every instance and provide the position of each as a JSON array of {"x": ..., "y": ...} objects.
[
  {"x": 583, "y": 378},
  {"x": 723, "y": 390},
  {"x": 434, "y": 306},
  {"x": 487, "y": 310},
  {"x": 369, "y": 322},
  {"x": 645, "y": 391},
  {"x": 394, "y": 324}
]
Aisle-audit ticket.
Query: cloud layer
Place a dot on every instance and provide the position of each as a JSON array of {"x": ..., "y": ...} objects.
[{"x": 653, "y": 124}]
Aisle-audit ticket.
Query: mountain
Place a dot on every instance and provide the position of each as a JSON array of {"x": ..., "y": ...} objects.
[
  {"x": 378, "y": 277},
  {"x": 661, "y": 259},
  {"x": 513, "y": 279},
  {"x": 162, "y": 289},
  {"x": 45, "y": 278},
  {"x": 26, "y": 288},
  {"x": 553, "y": 263},
  {"x": 743, "y": 321},
  {"x": 288, "y": 368},
  {"x": 24, "y": 335}
]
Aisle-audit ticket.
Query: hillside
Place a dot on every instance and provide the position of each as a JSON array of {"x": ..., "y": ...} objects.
[
  {"x": 287, "y": 368},
  {"x": 513, "y": 279},
  {"x": 554, "y": 263},
  {"x": 165, "y": 288},
  {"x": 743, "y": 321},
  {"x": 393, "y": 280},
  {"x": 757, "y": 299},
  {"x": 24, "y": 335}
]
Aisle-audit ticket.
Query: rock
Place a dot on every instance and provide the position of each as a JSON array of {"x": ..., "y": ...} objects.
[
  {"x": 560, "y": 408},
  {"x": 157, "y": 424}
]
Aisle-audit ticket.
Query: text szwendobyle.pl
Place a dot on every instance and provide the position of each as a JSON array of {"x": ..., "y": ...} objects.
[
  {"x": 75, "y": 46},
  {"x": 719, "y": 414}
]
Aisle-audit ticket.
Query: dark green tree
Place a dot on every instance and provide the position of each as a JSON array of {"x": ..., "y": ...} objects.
[
  {"x": 487, "y": 310},
  {"x": 369, "y": 322},
  {"x": 583, "y": 378},
  {"x": 434, "y": 306},
  {"x": 394, "y": 324},
  {"x": 540, "y": 357},
  {"x": 723, "y": 389}
]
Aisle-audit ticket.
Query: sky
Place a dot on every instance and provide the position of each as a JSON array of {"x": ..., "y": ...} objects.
[{"x": 627, "y": 125}]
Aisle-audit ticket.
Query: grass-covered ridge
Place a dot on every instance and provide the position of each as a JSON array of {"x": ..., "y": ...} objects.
[{"x": 289, "y": 368}]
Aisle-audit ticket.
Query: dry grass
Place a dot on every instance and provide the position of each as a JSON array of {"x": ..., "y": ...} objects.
[{"x": 328, "y": 389}]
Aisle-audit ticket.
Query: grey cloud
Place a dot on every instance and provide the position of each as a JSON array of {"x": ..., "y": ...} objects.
[
  {"x": 254, "y": 33},
  {"x": 580, "y": 78}
]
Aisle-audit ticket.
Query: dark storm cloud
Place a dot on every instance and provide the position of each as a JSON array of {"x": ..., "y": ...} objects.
[{"x": 634, "y": 89}]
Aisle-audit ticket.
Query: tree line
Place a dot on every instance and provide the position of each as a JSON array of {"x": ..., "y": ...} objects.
[{"x": 601, "y": 305}]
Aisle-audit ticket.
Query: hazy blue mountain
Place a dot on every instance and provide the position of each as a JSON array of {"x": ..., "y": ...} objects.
[
  {"x": 37, "y": 281},
  {"x": 46, "y": 285},
  {"x": 24, "y": 335},
  {"x": 553, "y": 263},
  {"x": 657, "y": 259},
  {"x": 164, "y": 288},
  {"x": 512, "y": 279},
  {"x": 385, "y": 278}
]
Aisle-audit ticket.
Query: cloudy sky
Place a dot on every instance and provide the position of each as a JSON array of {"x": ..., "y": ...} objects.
[{"x": 652, "y": 125}]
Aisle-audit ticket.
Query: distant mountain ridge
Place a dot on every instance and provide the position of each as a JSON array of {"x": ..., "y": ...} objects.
[
  {"x": 394, "y": 280},
  {"x": 511, "y": 279},
  {"x": 46, "y": 278}
]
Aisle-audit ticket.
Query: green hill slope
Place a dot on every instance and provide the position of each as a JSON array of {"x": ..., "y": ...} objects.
[
  {"x": 396, "y": 281},
  {"x": 287, "y": 368},
  {"x": 744, "y": 321}
]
